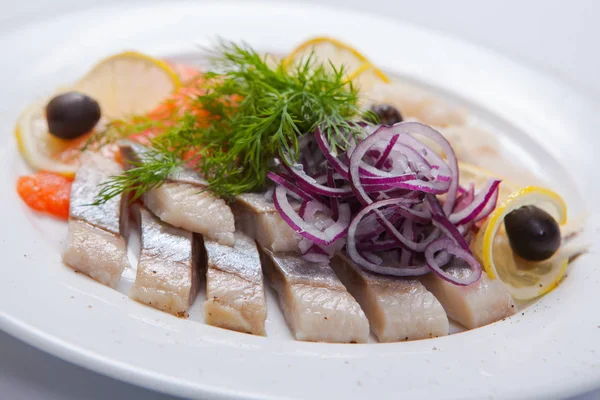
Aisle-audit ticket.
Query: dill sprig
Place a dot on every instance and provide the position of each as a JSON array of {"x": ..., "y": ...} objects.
[
  {"x": 257, "y": 109},
  {"x": 154, "y": 168}
]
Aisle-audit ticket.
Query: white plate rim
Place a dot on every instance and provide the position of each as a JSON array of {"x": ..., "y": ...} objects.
[{"x": 141, "y": 377}]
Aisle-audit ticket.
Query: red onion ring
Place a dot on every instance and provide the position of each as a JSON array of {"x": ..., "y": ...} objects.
[
  {"x": 289, "y": 186},
  {"x": 394, "y": 179},
  {"x": 447, "y": 245},
  {"x": 306, "y": 230},
  {"x": 481, "y": 199}
]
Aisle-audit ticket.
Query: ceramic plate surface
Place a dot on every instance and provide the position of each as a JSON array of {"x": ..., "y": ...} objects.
[{"x": 551, "y": 348}]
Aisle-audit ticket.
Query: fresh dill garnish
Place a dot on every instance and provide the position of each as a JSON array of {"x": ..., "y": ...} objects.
[
  {"x": 257, "y": 108},
  {"x": 151, "y": 171}
]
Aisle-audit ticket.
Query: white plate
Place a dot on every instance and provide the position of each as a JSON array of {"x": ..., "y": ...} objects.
[{"x": 552, "y": 349}]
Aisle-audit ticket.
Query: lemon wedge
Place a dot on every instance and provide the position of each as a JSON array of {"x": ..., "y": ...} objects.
[
  {"x": 129, "y": 83},
  {"x": 125, "y": 84},
  {"x": 358, "y": 68},
  {"x": 40, "y": 149},
  {"x": 524, "y": 280}
]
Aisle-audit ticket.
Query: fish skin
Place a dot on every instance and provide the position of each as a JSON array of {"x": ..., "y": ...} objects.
[
  {"x": 94, "y": 171},
  {"x": 260, "y": 219},
  {"x": 167, "y": 272},
  {"x": 235, "y": 297},
  {"x": 95, "y": 243},
  {"x": 317, "y": 307},
  {"x": 479, "y": 304},
  {"x": 183, "y": 202},
  {"x": 398, "y": 309}
]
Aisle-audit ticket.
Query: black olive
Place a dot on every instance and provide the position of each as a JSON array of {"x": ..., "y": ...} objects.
[
  {"x": 72, "y": 114},
  {"x": 388, "y": 115},
  {"x": 533, "y": 234}
]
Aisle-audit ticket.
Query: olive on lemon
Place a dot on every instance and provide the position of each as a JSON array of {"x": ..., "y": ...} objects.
[
  {"x": 532, "y": 233},
  {"x": 72, "y": 114},
  {"x": 388, "y": 115}
]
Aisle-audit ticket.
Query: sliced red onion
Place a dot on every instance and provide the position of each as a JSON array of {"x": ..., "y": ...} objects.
[
  {"x": 304, "y": 245},
  {"x": 312, "y": 208},
  {"x": 425, "y": 158},
  {"x": 372, "y": 257},
  {"x": 465, "y": 198},
  {"x": 406, "y": 256},
  {"x": 387, "y": 180},
  {"x": 333, "y": 201},
  {"x": 315, "y": 257},
  {"x": 424, "y": 130},
  {"x": 377, "y": 246},
  {"x": 302, "y": 210},
  {"x": 465, "y": 229},
  {"x": 340, "y": 227},
  {"x": 396, "y": 179},
  {"x": 307, "y": 230},
  {"x": 447, "y": 245},
  {"x": 333, "y": 160},
  {"x": 384, "y": 156},
  {"x": 489, "y": 207},
  {"x": 440, "y": 221},
  {"x": 389, "y": 227},
  {"x": 403, "y": 131},
  {"x": 289, "y": 185},
  {"x": 478, "y": 204},
  {"x": 370, "y": 227},
  {"x": 337, "y": 164},
  {"x": 310, "y": 184},
  {"x": 334, "y": 248}
]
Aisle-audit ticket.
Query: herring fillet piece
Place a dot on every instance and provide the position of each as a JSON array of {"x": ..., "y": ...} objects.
[
  {"x": 183, "y": 202},
  {"x": 260, "y": 219},
  {"x": 481, "y": 303},
  {"x": 95, "y": 243},
  {"x": 398, "y": 309},
  {"x": 317, "y": 307},
  {"x": 167, "y": 276},
  {"x": 235, "y": 296}
]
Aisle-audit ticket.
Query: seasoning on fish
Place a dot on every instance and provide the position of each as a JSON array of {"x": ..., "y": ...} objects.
[
  {"x": 182, "y": 201},
  {"x": 167, "y": 276},
  {"x": 259, "y": 218},
  {"x": 317, "y": 307},
  {"x": 473, "y": 306},
  {"x": 95, "y": 243},
  {"x": 235, "y": 296},
  {"x": 398, "y": 309}
]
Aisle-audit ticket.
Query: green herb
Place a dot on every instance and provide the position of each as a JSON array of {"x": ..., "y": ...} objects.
[{"x": 258, "y": 109}]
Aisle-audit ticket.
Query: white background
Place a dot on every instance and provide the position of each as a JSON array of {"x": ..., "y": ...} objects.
[{"x": 559, "y": 37}]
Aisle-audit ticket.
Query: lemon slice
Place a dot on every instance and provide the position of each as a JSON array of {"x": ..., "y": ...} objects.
[
  {"x": 524, "y": 280},
  {"x": 129, "y": 83},
  {"x": 40, "y": 149},
  {"x": 358, "y": 68},
  {"x": 125, "y": 84}
]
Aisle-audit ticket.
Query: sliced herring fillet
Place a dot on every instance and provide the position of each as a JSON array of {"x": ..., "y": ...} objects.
[
  {"x": 258, "y": 217},
  {"x": 235, "y": 296},
  {"x": 95, "y": 245},
  {"x": 317, "y": 307},
  {"x": 473, "y": 306},
  {"x": 183, "y": 202},
  {"x": 167, "y": 276},
  {"x": 398, "y": 308}
]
